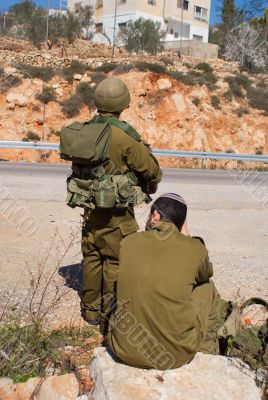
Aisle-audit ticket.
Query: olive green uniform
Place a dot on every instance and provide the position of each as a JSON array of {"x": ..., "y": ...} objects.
[
  {"x": 167, "y": 307},
  {"x": 104, "y": 229}
]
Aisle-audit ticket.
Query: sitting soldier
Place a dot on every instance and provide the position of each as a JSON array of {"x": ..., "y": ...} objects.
[{"x": 167, "y": 306}]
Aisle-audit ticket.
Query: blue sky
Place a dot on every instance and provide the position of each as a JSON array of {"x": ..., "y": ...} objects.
[{"x": 5, "y": 4}]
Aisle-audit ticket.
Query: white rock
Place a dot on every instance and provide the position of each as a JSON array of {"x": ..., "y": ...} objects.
[
  {"x": 59, "y": 92},
  {"x": 207, "y": 377},
  {"x": 86, "y": 79},
  {"x": 63, "y": 387},
  {"x": 77, "y": 77},
  {"x": 17, "y": 99},
  {"x": 11, "y": 106},
  {"x": 164, "y": 84},
  {"x": 179, "y": 102},
  {"x": 56, "y": 85}
]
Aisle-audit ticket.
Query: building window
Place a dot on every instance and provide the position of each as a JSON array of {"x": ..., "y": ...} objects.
[
  {"x": 122, "y": 2},
  {"x": 176, "y": 35},
  {"x": 201, "y": 13},
  {"x": 183, "y": 3},
  {"x": 99, "y": 28},
  {"x": 99, "y": 3},
  {"x": 152, "y": 2},
  {"x": 198, "y": 38},
  {"x": 122, "y": 27},
  {"x": 171, "y": 31}
]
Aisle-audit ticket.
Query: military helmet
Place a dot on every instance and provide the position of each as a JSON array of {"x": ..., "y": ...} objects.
[{"x": 112, "y": 95}]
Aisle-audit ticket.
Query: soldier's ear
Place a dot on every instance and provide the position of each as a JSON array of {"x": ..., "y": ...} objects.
[{"x": 155, "y": 217}]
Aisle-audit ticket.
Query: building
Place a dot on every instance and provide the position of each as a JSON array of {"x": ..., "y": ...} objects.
[{"x": 186, "y": 19}]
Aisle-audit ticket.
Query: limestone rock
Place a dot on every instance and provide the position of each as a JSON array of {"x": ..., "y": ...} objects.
[
  {"x": 11, "y": 106},
  {"x": 59, "y": 92},
  {"x": 17, "y": 99},
  {"x": 25, "y": 390},
  {"x": 7, "y": 388},
  {"x": 63, "y": 387},
  {"x": 77, "y": 77},
  {"x": 206, "y": 377},
  {"x": 86, "y": 79},
  {"x": 164, "y": 84}
]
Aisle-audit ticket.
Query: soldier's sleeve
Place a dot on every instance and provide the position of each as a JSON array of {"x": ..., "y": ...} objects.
[
  {"x": 205, "y": 270},
  {"x": 142, "y": 161}
]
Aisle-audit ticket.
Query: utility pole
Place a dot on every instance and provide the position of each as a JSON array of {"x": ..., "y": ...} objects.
[
  {"x": 114, "y": 36},
  {"x": 48, "y": 6},
  {"x": 182, "y": 1}
]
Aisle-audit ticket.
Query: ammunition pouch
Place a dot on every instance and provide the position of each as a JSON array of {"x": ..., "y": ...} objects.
[{"x": 108, "y": 191}]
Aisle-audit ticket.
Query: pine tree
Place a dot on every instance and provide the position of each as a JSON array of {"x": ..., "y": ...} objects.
[{"x": 228, "y": 14}]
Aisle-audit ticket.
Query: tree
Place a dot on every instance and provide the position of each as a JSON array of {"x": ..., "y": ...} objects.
[
  {"x": 143, "y": 35},
  {"x": 85, "y": 18},
  {"x": 22, "y": 12},
  {"x": 228, "y": 14}
]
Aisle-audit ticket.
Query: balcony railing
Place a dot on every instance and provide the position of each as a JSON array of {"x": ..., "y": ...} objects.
[{"x": 201, "y": 17}]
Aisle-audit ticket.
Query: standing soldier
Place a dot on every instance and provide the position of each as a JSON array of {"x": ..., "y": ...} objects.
[{"x": 119, "y": 173}]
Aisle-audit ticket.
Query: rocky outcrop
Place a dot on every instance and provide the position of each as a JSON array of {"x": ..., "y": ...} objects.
[{"x": 206, "y": 377}]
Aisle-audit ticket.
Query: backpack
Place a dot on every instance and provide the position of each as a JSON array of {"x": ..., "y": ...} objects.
[{"x": 87, "y": 145}]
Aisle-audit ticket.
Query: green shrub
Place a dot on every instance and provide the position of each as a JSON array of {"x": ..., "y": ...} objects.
[
  {"x": 9, "y": 81},
  {"x": 76, "y": 67},
  {"x": 54, "y": 132},
  {"x": 208, "y": 79},
  {"x": 153, "y": 67},
  {"x": 97, "y": 77},
  {"x": 35, "y": 107},
  {"x": 258, "y": 98},
  {"x": 2, "y": 72},
  {"x": 46, "y": 95},
  {"x": 196, "y": 101},
  {"x": 31, "y": 137},
  {"x": 188, "y": 65},
  {"x": 71, "y": 106},
  {"x": 186, "y": 79},
  {"x": 228, "y": 95},
  {"x": 123, "y": 68},
  {"x": 215, "y": 102},
  {"x": 30, "y": 71},
  {"x": 259, "y": 151},
  {"x": 167, "y": 61},
  {"x": 86, "y": 93},
  {"x": 242, "y": 110},
  {"x": 106, "y": 67},
  {"x": 229, "y": 150},
  {"x": 204, "y": 67},
  {"x": 236, "y": 83}
]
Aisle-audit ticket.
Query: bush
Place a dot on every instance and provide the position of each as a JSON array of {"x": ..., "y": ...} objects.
[
  {"x": 46, "y": 95},
  {"x": 76, "y": 67},
  {"x": 228, "y": 95},
  {"x": 153, "y": 67},
  {"x": 123, "y": 68},
  {"x": 215, "y": 102},
  {"x": 186, "y": 79},
  {"x": 167, "y": 61},
  {"x": 242, "y": 110},
  {"x": 106, "y": 67},
  {"x": 30, "y": 71},
  {"x": 2, "y": 72},
  {"x": 97, "y": 77},
  {"x": 204, "y": 67},
  {"x": 71, "y": 107},
  {"x": 31, "y": 137},
  {"x": 196, "y": 101},
  {"x": 208, "y": 79},
  {"x": 86, "y": 92},
  {"x": 258, "y": 98},
  {"x": 54, "y": 132},
  {"x": 236, "y": 83},
  {"x": 35, "y": 107},
  {"x": 8, "y": 81}
]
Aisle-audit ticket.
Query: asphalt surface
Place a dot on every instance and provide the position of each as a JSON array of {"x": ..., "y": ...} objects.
[{"x": 228, "y": 209}]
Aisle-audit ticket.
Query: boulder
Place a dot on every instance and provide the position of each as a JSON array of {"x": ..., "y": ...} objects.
[
  {"x": 63, "y": 387},
  {"x": 206, "y": 377},
  {"x": 17, "y": 99},
  {"x": 164, "y": 84},
  {"x": 77, "y": 77},
  {"x": 25, "y": 390}
]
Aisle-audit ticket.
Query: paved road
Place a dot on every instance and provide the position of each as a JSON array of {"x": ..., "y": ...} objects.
[{"x": 230, "y": 210}]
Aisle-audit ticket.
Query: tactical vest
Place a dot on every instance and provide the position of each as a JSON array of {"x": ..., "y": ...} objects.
[{"x": 87, "y": 145}]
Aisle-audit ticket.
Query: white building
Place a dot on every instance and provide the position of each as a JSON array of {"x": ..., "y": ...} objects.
[{"x": 186, "y": 19}]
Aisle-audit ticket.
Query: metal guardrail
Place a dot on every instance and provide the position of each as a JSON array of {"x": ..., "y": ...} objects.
[{"x": 157, "y": 152}]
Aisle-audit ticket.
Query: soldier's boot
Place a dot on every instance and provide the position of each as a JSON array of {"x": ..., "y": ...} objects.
[{"x": 209, "y": 299}]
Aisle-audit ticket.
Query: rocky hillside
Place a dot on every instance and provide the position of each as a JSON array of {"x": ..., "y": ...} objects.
[{"x": 176, "y": 104}]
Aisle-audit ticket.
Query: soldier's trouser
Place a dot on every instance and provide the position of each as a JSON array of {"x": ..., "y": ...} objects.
[
  {"x": 209, "y": 299},
  {"x": 101, "y": 236}
]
